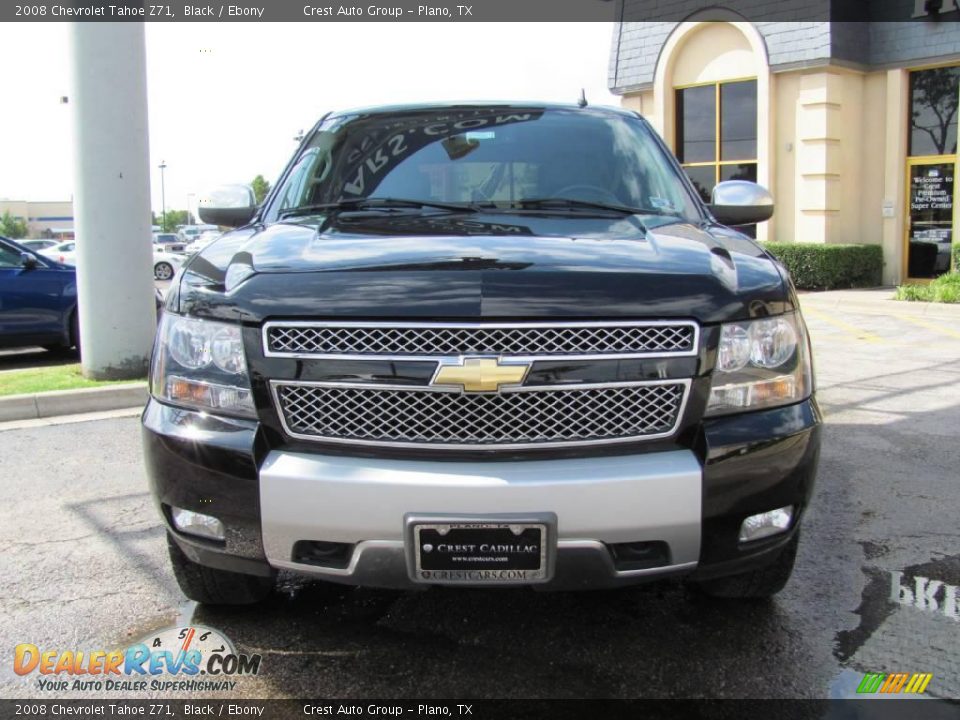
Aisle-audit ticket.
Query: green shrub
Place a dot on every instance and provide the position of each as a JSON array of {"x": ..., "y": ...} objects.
[
  {"x": 815, "y": 266},
  {"x": 945, "y": 289},
  {"x": 956, "y": 257}
]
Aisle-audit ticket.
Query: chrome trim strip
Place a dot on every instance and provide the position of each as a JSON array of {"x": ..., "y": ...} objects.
[
  {"x": 695, "y": 342},
  {"x": 505, "y": 389},
  {"x": 685, "y": 382}
]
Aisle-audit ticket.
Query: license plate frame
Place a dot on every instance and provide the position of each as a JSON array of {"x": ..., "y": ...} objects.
[{"x": 481, "y": 567}]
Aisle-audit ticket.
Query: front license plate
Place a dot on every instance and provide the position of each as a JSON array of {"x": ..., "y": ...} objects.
[{"x": 480, "y": 552}]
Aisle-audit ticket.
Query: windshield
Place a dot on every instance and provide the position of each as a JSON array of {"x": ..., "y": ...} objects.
[{"x": 482, "y": 156}]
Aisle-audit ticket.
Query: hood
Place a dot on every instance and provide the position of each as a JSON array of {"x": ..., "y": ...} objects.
[{"x": 491, "y": 266}]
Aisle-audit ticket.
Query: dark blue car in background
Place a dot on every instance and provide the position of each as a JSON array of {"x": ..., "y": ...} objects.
[{"x": 38, "y": 300}]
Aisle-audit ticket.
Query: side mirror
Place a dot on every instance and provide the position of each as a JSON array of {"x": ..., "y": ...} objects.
[
  {"x": 740, "y": 202},
  {"x": 28, "y": 261},
  {"x": 228, "y": 205}
]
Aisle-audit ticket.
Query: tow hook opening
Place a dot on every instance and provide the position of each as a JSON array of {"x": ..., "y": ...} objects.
[
  {"x": 322, "y": 554},
  {"x": 640, "y": 555}
]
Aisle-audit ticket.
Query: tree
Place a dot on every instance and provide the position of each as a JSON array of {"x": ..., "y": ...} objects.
[
  {"x": 13, "y": 227},
  {"x": 174, "y": 218},
  {"x": 260, "y": 188},
  {"x": 936, "y": 91}
]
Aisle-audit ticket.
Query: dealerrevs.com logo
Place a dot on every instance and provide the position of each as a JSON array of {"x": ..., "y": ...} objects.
[{"x": 189, "y": 659}]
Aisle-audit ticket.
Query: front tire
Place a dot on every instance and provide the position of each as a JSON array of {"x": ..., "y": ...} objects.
[
  {"x": 211, "y": 586},
  {"x": 163, "y": 271},
  {"x": 73, "y": 342},
  {"x": 757, "y": 584}
]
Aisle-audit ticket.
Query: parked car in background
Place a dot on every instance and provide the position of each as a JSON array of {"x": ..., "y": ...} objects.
[
  {"x": 64, "y": 253},
  {"x": 189, "y": 233},
  {"x": 170, "y": 241},
  {"x": 166, "y": 262},
  {"x": 38, "y": 244},
  {"x": 202, "y": 241},
  {"x": 38, "y": 300}
]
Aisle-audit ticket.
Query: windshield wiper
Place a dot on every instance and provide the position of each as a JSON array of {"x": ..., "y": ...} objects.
[
  {"x": 377, "y": 203},
  {"x": 573, "y": 204}
]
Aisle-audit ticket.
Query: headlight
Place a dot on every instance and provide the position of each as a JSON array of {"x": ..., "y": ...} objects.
[
  {"x": 200, "y": 364},
  {"x": 760, "y": 364}
]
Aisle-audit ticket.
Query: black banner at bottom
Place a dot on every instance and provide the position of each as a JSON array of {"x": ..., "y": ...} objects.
[{"x": 879, "y": 709}]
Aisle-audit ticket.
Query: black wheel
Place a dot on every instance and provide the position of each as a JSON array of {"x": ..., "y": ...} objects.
[
  {"x": 74, "y": 341},
  {"x": 163, "y": 271},
  {"x": 764, "y": 582},
  {"x": 216, "y": 587}
]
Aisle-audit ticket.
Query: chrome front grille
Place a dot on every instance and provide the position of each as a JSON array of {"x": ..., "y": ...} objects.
[
  {"x": 419, "y": 340},
  {"x": 522, "y": 417}
]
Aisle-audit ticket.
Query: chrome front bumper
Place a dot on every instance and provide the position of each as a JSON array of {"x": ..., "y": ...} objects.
[{"x": 597, "y": 502}]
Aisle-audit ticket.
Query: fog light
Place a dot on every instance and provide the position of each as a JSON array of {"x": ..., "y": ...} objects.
[
  {"x": 766, "y": 524},
  {"x": 194, "y": 523}
]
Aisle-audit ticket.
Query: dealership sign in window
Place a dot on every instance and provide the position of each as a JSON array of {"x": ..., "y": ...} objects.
[{"x": 931, "y": 219}]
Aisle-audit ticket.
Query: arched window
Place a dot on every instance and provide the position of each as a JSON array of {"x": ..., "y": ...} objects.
[{"x": 711, "y": 91}]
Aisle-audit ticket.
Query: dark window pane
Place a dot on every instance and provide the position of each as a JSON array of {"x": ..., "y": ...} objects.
[
  {"x": 696, "y": 124},
  {"x": 704, "y": 178},
  {"x": 743, "y": 171},
  {"x": 933, "y": 111},
  {"x": 738, "y": 120}
]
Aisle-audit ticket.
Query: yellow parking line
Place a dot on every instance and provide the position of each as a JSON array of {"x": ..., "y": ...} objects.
[
  {"x": 930, "y": 326},
  {"x": 859, "y": 333}
]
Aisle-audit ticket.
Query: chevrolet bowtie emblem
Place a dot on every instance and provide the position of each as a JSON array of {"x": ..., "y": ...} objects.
[{"x": 481, "y": 374}]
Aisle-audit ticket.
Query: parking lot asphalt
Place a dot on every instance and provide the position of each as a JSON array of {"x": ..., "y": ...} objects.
[{"x": 83, "y": 565}]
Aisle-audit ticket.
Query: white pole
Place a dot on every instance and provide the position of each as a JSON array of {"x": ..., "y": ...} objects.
[{"x": 112, "y": 189}]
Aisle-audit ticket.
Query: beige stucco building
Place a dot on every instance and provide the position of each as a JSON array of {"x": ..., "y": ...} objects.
[
  {"x": 44, "y": 218},
  {"x": 852, "y": 126}
]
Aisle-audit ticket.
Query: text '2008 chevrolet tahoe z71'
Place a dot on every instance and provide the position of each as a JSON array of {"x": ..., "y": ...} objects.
[{"x": 482, "y": 344}]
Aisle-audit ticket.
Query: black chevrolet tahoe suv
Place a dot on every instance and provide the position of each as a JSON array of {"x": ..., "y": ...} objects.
[{"x": 482, "y": 344}]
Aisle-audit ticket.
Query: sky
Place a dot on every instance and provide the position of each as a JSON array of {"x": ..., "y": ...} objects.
[{"x": 227, "y": 99}]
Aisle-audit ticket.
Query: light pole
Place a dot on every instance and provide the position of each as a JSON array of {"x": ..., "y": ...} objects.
[{"x": 163, "y": 197}]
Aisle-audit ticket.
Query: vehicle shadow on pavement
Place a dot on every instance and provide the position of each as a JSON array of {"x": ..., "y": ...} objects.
[
  {"x": 123, "y": 528},
  {"x": 447, "y": 642}
]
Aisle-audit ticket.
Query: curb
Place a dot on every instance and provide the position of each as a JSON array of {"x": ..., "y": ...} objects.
[
  {"x": 881, "y": 306},
  {"x": 71, "y": 402}
]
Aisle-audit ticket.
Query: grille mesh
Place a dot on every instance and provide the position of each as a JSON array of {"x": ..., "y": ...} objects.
[
  {"x": 452, "y": 340},
  {"x": 453, "y": 418}
]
